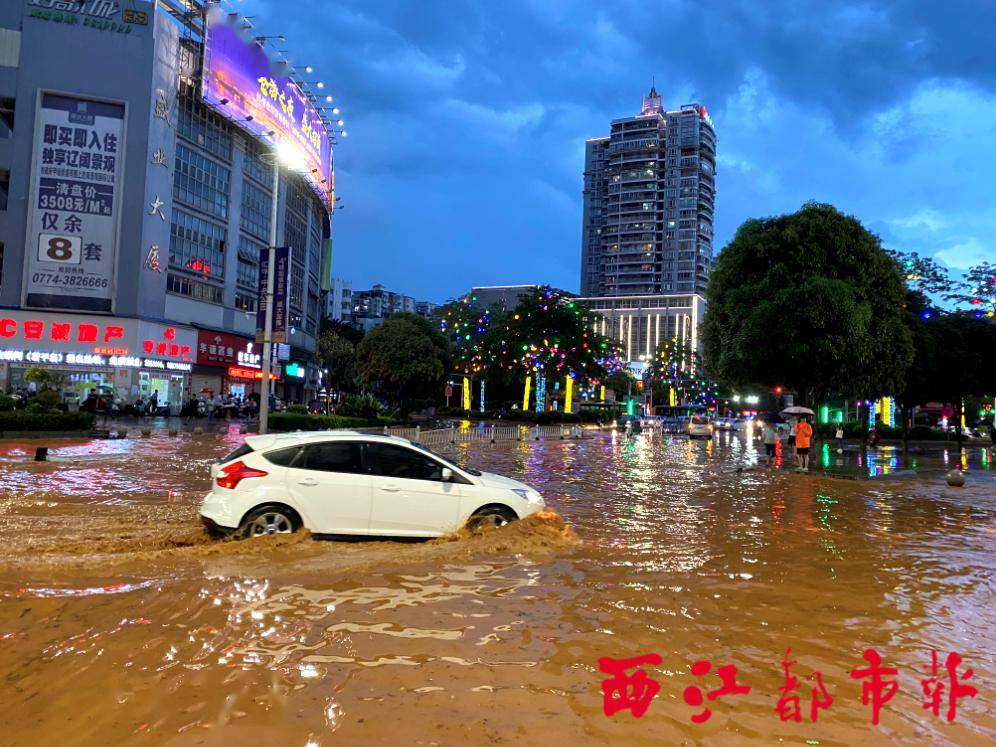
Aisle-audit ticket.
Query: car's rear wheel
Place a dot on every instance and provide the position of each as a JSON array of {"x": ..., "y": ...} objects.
[
  {"x": 491, "y": 517},
  {"x": 268, "y": 520}
]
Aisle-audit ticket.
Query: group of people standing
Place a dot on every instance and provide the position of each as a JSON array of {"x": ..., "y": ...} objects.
[{"x": 800, "y": 438}]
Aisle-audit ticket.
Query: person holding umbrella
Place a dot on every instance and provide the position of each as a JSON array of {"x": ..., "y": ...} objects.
[{"x": 803, "y": 434}]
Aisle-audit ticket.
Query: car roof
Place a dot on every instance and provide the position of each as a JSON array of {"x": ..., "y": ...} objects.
[{"x": 297, "y": 438}]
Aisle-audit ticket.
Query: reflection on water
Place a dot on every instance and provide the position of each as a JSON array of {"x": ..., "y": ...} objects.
[{"x": 119, "y": 618}]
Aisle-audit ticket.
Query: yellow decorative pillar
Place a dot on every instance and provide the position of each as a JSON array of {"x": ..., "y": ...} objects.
[
  {"x": 525, "y": 393},
  {"x": 466, "y": 393},
  {"x": 569, "y": 395}
]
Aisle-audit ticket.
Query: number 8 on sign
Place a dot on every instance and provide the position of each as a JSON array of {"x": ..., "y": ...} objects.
[{"x": 62, "y": 249}]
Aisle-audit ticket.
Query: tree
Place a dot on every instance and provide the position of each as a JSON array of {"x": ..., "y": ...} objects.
[
  {"x": 405, "y": 358},
  {"x": 677, "y": 366},
  {"x": 923, "y": 274},
  {"x": 466, "y": 325},
  {"x": 954, "y": 356},
  {"x": 337, "y": 355},
  {"x": 349, "y": 332},
  {"x": 810, "y": 301},
  {"x": 978, "y": 290},
  {"x": 550, "y": 333}
]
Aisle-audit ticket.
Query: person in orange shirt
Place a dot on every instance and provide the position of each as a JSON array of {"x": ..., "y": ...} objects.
[{"x": 803, "y": 436}]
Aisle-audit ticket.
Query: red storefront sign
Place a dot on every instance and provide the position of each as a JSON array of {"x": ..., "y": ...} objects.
[
  {"x": 253, "y": 374},
  {"x": 223, "y": 349},
  {"x": 108, "y": 338}
]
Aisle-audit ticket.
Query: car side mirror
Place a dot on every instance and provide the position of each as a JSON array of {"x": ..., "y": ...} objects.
[{"x": 446, "y": 475}]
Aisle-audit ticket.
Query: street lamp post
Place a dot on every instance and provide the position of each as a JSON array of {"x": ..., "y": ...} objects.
[{"x": 264, "y": 400}]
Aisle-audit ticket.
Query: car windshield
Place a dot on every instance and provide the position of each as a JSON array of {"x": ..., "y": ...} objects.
[
  {"x": 450, "y": 462},
  {"x": 699, "y": 419}
]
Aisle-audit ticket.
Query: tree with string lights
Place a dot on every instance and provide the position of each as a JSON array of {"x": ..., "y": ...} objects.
[
  {"x": 549, "y": 334},
  {"x": 677, "y": 366},
  {"x": 465, "y": 324},
  {"x": 977, "y": 291}
]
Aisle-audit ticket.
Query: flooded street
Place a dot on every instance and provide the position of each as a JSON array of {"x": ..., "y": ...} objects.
[{"x": 121, "y": 622}]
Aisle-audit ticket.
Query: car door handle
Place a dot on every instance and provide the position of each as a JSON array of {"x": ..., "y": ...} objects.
[
  {"x": 391, "y": 489},
  {"x": 308, "y": 482}
]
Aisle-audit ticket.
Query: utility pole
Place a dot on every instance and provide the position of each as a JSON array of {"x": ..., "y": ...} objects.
[{"x": 264, "y": 400}]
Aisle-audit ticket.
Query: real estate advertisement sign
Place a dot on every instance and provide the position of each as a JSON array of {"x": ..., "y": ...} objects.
[
  {"x": 280, "y": 287},
  {"x": 243, "y": 83},
  {"x": 74, "y": 204}
]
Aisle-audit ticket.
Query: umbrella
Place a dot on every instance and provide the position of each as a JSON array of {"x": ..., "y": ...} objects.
[{"x": 796, "y": 410}]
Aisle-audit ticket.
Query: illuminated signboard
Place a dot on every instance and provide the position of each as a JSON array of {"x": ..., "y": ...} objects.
[
  {"x": 223, "y": 349},
  {"x": 234, "y": 372},
  {"x": 243, "y": 83},
  {"x": 89, "y": 359}
]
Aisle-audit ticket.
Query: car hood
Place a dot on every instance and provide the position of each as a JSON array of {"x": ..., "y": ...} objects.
[{"x": 491, "y": 480}]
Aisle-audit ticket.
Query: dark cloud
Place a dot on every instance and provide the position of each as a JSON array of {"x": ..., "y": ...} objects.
[{"x": 467, "y": 120}]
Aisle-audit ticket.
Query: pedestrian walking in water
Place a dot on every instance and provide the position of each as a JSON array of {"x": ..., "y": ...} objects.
[
  {"x": 840, "y": 439},
  {"x": 770, "y": 440},
  {"x": 803, "y": 435}
]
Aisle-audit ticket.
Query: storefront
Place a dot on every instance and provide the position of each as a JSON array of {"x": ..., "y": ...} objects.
[
  {"x": 227, "y": 364},
  {"x": 114, "y": 356}
]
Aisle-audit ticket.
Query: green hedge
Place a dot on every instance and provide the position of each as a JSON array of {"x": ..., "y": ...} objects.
[
  {"x": 22, "y": 420},
  {"x": 854, "y": 430},
  {"x": 6, "y": 403},
  {"x": 294, "y": 421}
]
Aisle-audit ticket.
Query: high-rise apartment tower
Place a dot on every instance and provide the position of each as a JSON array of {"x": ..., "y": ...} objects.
[{"x": 649, "y": 193}]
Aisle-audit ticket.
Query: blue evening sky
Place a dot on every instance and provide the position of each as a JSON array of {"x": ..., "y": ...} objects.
[{"x": 467, "y": 121}]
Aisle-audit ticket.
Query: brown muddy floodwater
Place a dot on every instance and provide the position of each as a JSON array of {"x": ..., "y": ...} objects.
[{"x": 121, "y": 623}]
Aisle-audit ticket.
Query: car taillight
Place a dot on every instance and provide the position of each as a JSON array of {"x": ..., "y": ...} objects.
[{"x": 235, "y": 473}]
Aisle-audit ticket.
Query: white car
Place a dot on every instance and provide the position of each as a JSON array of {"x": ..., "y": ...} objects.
[
  {"x": 699, "y": 427},
  {"x": 343, "y": 482}
]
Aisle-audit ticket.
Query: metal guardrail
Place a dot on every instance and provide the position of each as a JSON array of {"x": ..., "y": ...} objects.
[{"x": 487, "y": 433}]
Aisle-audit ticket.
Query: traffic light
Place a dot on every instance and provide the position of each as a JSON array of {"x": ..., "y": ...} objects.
[{"x": 778, "y": 389}]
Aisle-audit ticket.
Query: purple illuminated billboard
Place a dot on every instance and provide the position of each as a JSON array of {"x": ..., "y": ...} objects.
[{"x": 243, "y": 83}]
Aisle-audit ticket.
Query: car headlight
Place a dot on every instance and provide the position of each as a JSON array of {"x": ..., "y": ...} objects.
[{"x": 528, "y": 495}]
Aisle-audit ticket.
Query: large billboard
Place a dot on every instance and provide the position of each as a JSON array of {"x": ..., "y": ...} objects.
[
  {"x": 74, "y": 204},
  {"x": 242, "y": 82}
]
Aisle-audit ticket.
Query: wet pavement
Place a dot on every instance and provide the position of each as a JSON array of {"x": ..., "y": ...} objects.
[{"x": 121, "y": 622}]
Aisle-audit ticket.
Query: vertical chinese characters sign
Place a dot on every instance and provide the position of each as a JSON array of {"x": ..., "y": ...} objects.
[
  {"x": 280, "y": 281},
  {"x": 74, "y": 204}
]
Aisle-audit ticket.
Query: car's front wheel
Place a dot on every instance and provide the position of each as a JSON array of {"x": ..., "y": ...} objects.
[
  {"x": 267, "y": 520},
  {"x": 491, "y": 517}
]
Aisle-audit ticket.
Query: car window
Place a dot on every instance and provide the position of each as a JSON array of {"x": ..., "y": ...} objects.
[
  {"x": 331, "y": 456},
  {"x": 282, "y": 457},
  {"x": 397, "y": 461},
  {"x": 448, "y": 462},
  {"x": 239, "y": 452}
]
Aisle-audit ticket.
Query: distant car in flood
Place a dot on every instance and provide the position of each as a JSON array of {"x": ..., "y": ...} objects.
[
  {"x": 699, "y": 427},
  {"x": 348, "y": 483}
]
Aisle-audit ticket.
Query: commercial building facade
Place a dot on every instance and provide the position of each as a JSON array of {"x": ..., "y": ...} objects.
[
  {"x": 640, "y": 323},
  {"x": 649, "y": 196},
  {"x": 505, "y": 296},
  {"x": 339, "y": 300},
  {"x": 134, "y": 208},
  {"x": 371, "y": 307}
]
